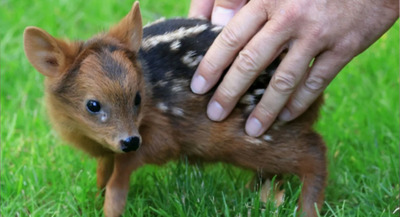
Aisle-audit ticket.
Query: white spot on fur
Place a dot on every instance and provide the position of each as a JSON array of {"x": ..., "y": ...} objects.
[
  {"x": 180, "y": 33},
  {"x": 190, "y": 59},
  {"x": 177, "y": 88},
  {"x": 247, "y": 99},
  {"x": 183, "y": 82},
  {"x": 277, "y": 125},
  {"x": 161, "y": 106},
  {"x": 201, "y": 17},
  {"x": 258, "y": 92},
  {"x": 267, "y": 138},
  {"x": 249, "y": 108},
  {"x": 179, "y": 85},
  {"x": 177, "y": 111},
  {"x": 103, "y": 117},
  {"x": 175, "y": 45},
  {"x": 161, "y": 83},
  {"x": 155, "y": 22},
  {"x": 217, "y": 28},
  {"x": 168, "y": 74},
  {"x": 253, "y": 140}
]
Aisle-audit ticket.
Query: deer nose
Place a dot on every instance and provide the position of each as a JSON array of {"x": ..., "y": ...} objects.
[{"x": 130, "y": 144}]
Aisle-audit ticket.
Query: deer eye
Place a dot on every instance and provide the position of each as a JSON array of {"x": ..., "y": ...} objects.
[
  {"x": 138, "y": 99},
  {"x": 93, "y": 106}
]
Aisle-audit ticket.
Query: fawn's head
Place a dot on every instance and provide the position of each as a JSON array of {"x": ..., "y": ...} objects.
[{"x": 94, "y": 88}]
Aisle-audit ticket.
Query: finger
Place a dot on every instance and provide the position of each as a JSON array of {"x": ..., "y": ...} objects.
[
  {"x": 226, "y": 46},
  {"x": 323, "y": 71},
  {"x": 283, "y": 83},
  {"x": 201, "y": 8},
  {"x": 255, "y": 56},
  {"x": 224, "y": 10}
]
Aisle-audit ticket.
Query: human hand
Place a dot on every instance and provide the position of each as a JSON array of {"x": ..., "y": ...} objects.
[
  {"x": 219, "y": 12},
  {"x": 321, "y": 37}
]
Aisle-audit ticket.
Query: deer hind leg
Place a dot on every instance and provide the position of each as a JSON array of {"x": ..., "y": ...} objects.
[{"x": 313, "y": 175}]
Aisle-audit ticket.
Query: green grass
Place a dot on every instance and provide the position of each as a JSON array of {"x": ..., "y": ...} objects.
[{"x": 41, "y": 176}]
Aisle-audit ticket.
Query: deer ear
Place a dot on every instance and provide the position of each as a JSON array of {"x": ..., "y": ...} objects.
[
  {"x": 129, "y": 29},
  {"x": 47, "y": 54}
]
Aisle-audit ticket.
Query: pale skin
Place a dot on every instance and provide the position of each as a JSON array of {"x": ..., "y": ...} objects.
[{"x": 321, "y": 37}]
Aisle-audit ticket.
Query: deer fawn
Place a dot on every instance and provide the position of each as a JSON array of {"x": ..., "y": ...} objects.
[{"x": 124, "y": 97}]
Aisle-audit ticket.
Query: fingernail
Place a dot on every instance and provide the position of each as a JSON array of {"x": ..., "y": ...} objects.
[
  {"x": 285, "y": 115},
  {"x": 198, "y": 84},
  {"x": 221, "y": 16},
  {"x": 215, "y": 111},
  {"x": 253, "y": 127}
]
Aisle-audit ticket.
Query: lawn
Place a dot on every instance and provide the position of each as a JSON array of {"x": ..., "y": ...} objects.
[{"x": 42, "y": 176}]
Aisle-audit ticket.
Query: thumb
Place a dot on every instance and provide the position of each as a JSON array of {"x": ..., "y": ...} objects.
[
  {"x": 201, "y": 8},
  {"x": 224, "y": 10}
]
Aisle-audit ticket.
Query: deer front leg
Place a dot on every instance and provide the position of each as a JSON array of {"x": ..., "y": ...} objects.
[
  {"x": 266, "y": 192},
  {"x": 118, "y": 185},
  {"x": 262, "y": 181},
  {"x": 105, "y": 166}
]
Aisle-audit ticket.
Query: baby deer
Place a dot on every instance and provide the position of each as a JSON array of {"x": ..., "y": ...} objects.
[{"x": 124, "y": 97}]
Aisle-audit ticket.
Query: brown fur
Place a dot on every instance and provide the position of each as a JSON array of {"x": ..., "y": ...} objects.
[{"x": 75, "y": 73}]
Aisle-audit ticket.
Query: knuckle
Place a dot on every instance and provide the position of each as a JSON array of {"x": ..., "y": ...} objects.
[
  {"x": 296, "y": 105},
  {"x": 317, "y": 32},
  {"x": 293, "y": 13},
  {"x": 347, "y": 47},
  {"x": 315, "y": 84},
  {"x": 208, "y": 66},
  {"x": 290, "y": 15},
  {"x": 263, "y": 113},
  {"x": 229, "y": 37},
  {"x": 284, "y": 82},
  {"x": 226, "y": 95},
  {"x": 246, "y": 61}
]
